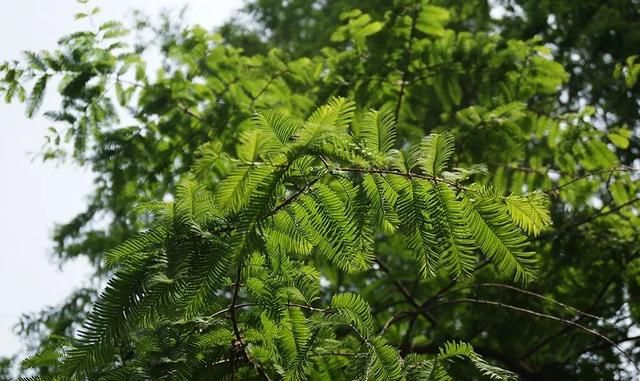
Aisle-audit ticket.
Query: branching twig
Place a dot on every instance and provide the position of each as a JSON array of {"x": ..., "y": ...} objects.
[
  {"x": 588, "y": 219},
  {"x": 234, "y": 324},
  {"x": 294, "y": 196},
  {"x": 526, "y": 292},
  {"x": 265, "y": 87},
  {"x": 541, "y": 315},
  {"x": 409, "y": 298},
  {"x": 410, "y": 175},
  {"x": 609, "y": 171},
  {"x": 541, "y": 343}
]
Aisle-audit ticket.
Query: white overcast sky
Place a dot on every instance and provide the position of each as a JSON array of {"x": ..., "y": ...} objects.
[{"x": 35, "y": 195}]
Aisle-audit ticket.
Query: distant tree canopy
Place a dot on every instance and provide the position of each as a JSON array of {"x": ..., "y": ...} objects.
[{"x": 379, "y": 190}]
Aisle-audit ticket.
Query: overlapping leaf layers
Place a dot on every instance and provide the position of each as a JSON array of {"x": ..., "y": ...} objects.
[
  {"x": 140, "y": 131},
  {"x": 228, "y": 281}
]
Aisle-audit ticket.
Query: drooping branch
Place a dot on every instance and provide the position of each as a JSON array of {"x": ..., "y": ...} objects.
[
  {"x": 526, "y": 292},
  {"x": 587, "y": 175},
  {"x": 540, "y": 315},
  {"x": 407, "y": 295},
  {"x": 592, "y": 217},
  {"x": 239, "y": 340},
  {"x": 541, "y": 343}
]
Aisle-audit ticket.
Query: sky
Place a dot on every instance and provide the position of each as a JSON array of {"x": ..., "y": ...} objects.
[{"x": 36, "y": 195}]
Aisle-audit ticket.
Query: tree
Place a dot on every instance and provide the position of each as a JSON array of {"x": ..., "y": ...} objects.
[
  {"x": 291, "y": 204},
  {"x": 590, "y": 40}
]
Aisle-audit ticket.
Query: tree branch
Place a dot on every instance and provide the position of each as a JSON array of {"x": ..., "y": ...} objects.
[
  {"x": 544, "y": 316},
  {"x": 588, "y": 219},
  {"x": 239, "y": 341},
  {"x": 408, "y": 297}
]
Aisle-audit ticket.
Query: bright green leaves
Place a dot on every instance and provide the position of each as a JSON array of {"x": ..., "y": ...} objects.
[
  {"x": 252, "y": 144},
  {"x": 498, "y": 237},
  {"x": 334, "y": 116},
  {"x": 205, "y": 272},
  {"x": 595, "y": 154},
  {"x": 267, "y": 140},
  {"x": 296, "y": 340},
  {"x": 530, "y": 212},
  {"x": 34, "y": 101},
  {"x": 283, "y": 239},
  {"x": 351, "y": 309},
  {"x": 436, "y": 368},
  {"x": 299, "y": 341},
  {"x": 546, "y": 75},
  {"x": 437, "y": 150},
  {"x": 443, "y": 231},
  {"x": 325, "y": 131},
  {"x": 134, "y": 246},
  {"x": 298, "y": 202},
  {"x": 384, "y": 362},
  {"x": 382, "y": 197},
  {"x": 272, "y": 287},
  {"x": 629, "y": 71},
  {"x": 359, "y": 27},
  {"x": 530, "y": 69},
  {"x": 331, "y": 227},
  {"x": 108, "y": 320},
  {"x": 194, "y": 204},
  {"x": 452, "y": 350},
  {"x": 454, "y": 242},
  {"x": 236, "y": 190},
  {"x": 421, "y": 240},
  {"x": 369, "y": 185},
  {"x": 275, "y": 126},
  {"x": 296, "y": 196},
  {"x": 378, "y": 133},
  {"x": 431, "y": 20},
  {"x": 620, "y": 137},
  {"x": 171, "y": 271}
]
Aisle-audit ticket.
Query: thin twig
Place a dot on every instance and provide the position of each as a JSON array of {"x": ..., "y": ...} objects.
[
  {"x": 588, "y": 219},
  {"x": 226, "y": 310},
  {"x": 541, "y": 343},
  {"x": 234, "y": 324},
  {"x": 527, "y": 292},
  {"x": 266, "y": 86},
  {"x": 294, "y": 196},
  {"x": 609, "y": 171},
  {"x": 601, "y": 346},
  {"x": 396, "y": 318},
  {"x": 306, "y": 307},
  {"x": 409, "y": 175},
  {"x": 541, "y": 315},
  {"x": 409, "y": 298}
]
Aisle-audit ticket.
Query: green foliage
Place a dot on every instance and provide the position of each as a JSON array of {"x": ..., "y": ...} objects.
[
  {"x": 342, "y": 242},
  {"x": 436, "y": 368},
  {"x": 177, "y": 270},
  {"x": 494, "y": 232}
]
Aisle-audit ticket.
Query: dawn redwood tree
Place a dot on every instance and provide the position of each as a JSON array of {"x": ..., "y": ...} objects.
[
  {"x": 591, "y": 39},
  {"x": 354, "y": 211}
]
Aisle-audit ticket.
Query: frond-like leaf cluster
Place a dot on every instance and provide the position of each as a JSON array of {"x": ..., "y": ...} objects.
[{"x": 229, "y": 271}]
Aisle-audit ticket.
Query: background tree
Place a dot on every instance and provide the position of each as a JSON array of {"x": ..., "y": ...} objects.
[{"x": 433, "y": 69}]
